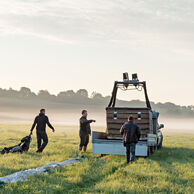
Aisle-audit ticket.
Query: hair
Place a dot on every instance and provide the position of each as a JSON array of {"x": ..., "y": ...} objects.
[
  {"x": 83, "y": 111},
  {"x": 42, "y": 110},
  {"x": 131, "y": 118}
]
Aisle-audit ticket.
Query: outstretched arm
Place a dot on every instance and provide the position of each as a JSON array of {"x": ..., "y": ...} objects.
[
  {"x": 48, "y": 123},
  {"x": 85, "y": 121}
]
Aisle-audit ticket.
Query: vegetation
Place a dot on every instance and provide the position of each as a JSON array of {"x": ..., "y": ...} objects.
[
  {"x": 170, "y": 170},
  {"x": 25, "y": 98}
]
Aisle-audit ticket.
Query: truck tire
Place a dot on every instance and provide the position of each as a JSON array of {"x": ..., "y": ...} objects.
[
  {"x": 148, "y": 152},
  {"x": 160, "y": 143}
]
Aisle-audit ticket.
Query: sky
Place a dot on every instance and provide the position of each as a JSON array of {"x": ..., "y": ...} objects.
[{"x": 59, "y": 45}]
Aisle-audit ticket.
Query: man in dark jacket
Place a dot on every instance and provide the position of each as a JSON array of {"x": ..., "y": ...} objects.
[
  {"x": 131, "y": 134},
  {"x": 40, "y": 122},
  {"x": 84, "y": 131}
]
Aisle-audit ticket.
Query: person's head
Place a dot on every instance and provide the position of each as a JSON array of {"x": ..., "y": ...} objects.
[
  {"x": 84, "y": 113},
  {"x": 42, "y": 111},
  {"x": 131, "y": 119}
]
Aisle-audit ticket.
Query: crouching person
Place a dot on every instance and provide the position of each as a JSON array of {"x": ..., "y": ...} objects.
[
  {"x": 131, "y": 134},
  {"x": 85, "y": 131}
]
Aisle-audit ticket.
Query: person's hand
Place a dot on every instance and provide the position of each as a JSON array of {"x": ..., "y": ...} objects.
[
  {"x": 94, "y": 121},
  {"x": 90, "y": 134},
  {"x": 53, "y": 130}
]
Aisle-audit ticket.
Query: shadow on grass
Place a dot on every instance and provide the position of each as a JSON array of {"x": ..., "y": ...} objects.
[
  {"x": 173, "y": 154},
  {"x": 167, "y": 157}
]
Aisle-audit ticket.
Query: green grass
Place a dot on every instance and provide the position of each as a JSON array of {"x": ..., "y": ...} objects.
[{"x": 170, "y": 170}]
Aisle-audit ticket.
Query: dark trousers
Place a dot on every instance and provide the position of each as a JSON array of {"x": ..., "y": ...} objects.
[
  {"x": 41, "y": 135},
  {"x": 84, "y": 140},
  {"x": 130, "y": 152}
]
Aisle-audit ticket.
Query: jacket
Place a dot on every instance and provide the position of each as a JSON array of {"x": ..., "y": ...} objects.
[
  {"x": 40, "y": 122},
  {"x": 84, "y": 126},
  {"x": 131, "y": 132}
]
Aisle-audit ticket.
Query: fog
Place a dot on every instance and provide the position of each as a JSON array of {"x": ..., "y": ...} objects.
[
  {"x": 71, "y": 117},
  {"x": 177, "y": 125}
]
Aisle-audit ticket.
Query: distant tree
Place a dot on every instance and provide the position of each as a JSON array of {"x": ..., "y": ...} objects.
[
  {"x": 107, "y": 97},
  {"x": 191, "y": 108},
  {"x": 61, "y": 94},
  {"x": 82, "y": 92},
  {"x": 12, "y": 93},
  {"x": 25, "y": 92},
  {"x": 3, "y": 92},
  {"x": 96, "y": 95},
  {"x": 68, "y": 93},
  {"x": 44, "y": 94}
]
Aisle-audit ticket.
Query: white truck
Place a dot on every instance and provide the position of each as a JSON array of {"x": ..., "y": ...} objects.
[{"x": 110, "y": 142}]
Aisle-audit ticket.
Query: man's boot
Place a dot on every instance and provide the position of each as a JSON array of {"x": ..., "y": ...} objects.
[
  {"x": 80, "y": 148},
  {"x": 85, "y": 148}
]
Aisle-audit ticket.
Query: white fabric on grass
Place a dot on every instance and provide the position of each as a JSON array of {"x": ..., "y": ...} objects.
[{"x": 23, "y": 175}]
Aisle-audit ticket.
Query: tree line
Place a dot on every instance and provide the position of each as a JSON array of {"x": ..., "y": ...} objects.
[
  {"x": 97, "y": 100},
  {"x": 80, "y": 96}
]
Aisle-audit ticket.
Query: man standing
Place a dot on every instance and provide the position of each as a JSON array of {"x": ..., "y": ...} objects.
[
  {"x": 131, "y": 134},
  {"x": 40, "y": 122},
  {"x": 84, "y": 131}
]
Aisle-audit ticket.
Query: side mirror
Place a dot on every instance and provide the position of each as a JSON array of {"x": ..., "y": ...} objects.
[{"x": 161, "y": 126}]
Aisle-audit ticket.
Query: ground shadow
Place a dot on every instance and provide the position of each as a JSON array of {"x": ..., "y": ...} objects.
[{"x": 167, "y": 157}]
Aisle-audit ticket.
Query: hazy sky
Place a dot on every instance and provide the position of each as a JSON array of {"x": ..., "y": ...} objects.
[{"x": 61, "y": 44}]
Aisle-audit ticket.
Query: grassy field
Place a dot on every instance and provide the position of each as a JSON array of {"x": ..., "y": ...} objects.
[{"x": 170, "y": 170}]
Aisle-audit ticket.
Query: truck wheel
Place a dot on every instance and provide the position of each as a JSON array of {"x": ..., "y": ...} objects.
[
  {"x": 148, "y": 152},
  {"x": 161, "y": 141}
]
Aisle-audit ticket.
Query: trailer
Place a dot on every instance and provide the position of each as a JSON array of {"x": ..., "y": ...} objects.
[{"x": 110, "y": 142}]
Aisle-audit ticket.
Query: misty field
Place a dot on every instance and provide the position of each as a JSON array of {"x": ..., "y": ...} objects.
[{"x": 170, "y": 170}]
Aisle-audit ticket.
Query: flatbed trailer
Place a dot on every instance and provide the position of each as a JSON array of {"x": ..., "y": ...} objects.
[
  {"x": 110, "y": 142},
  {"x": 105, "y": 146},
  {"x": 115, "y": 146}
]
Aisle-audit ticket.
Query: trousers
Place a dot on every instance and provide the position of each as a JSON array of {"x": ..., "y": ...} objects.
[
  {"x": 84, "y": 140},
  {"x": 130, "y": 152},
  {"x": 41, "y": 135}
]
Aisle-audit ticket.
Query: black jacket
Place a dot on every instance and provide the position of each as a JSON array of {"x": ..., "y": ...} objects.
[
  {"x": 40, "y": 122},
  {"x": 85, "y": 126},
  {"x": 131, "y": 132}
]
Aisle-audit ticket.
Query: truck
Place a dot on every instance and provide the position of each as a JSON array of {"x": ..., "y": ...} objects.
[{"x": 111, "y": 141}]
